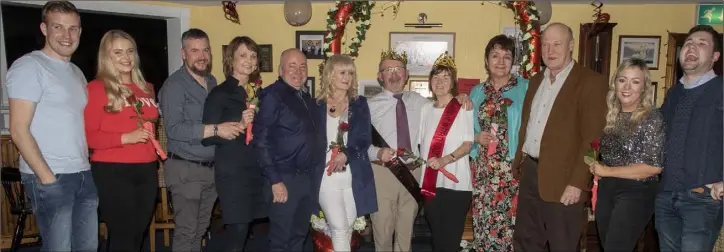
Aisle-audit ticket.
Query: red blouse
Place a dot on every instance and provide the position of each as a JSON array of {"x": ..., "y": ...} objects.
[{"x": 104, "y": 130}]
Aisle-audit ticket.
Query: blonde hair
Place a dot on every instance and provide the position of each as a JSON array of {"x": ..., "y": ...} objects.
[
  {"x": 647, "y": 97},
  {"x": 115, "y": 89},
  {"x": 337, "y": 62}
]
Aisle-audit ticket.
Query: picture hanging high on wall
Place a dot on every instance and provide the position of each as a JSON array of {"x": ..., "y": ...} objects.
[
  {"x": 643, "y": 47},
  {"x": 266, "y": 62},
  {"x": 311, "y": 43},
  {"x": 422, "y": 49}
]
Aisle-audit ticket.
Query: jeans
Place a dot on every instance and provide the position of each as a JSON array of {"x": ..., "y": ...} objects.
[
  {"x": 66, "y": 211},
  {"x": 340, "y": 211},
  {"x": 687, "y": 221}
]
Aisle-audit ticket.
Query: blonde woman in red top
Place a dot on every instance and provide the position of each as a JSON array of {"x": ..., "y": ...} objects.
[{"x": 123, "y": 159}]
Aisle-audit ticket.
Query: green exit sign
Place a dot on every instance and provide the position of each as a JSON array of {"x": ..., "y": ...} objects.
[{"x": 709, "y": 14}]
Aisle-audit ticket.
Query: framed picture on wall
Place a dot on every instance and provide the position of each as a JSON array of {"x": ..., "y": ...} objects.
[
  {"x": 266, "y": 63},
  {"x": 643, "y": 47},
  {"x": 655, "y": 84},
  {"x": 369, "y": 88},
  {"x": 311, "y": 43},
  {"x": 422, "y": 87},
  {"x": 422, "y": 49},
  {"x": 311, "y": 82}
]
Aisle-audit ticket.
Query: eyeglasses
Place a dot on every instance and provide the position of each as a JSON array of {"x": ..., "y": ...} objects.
[{"x": 391, "y": 69}]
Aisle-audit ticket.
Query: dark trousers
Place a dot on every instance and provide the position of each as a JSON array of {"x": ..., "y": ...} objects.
[
  {"x": 289, "y": 221},
  {"x": 538, "y": 221},
  {"x": 127, "y": 196},
  {"x": 687, "y": 221},
  {"x": 623, "y": 210},
  {"x": 446, "y": 214}
]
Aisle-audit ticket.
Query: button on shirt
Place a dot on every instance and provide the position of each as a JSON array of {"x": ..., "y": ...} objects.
[
  {"x": 384, "y": 118},
  {"x": 543, "y": 100}
]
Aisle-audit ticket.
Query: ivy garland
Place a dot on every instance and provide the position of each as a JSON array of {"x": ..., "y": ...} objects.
[
  {"x": 527, "y": 18},
  {"x": 361, "y": 14}
]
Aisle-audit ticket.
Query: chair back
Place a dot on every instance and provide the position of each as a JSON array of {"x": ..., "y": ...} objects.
[{"x": 14, "y": 190}]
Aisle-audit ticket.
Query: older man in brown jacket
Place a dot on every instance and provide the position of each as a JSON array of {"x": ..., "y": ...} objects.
[{"x": 563, "y": 111}]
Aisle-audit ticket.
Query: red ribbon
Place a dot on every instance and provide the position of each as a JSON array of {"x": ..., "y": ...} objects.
[
  {"x": 594, "y": 193},
  {"x": 149, "y": 126},
  {"x": 344, "y": 9},
  {"x": 249, "y": 134},
  {"x": 429, "y": 183}
]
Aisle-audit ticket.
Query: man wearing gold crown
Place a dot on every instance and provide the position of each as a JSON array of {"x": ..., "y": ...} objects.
[{"x": 395, "y": 117}]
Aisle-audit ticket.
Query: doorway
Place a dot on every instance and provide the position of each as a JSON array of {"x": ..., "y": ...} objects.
[{"x": 22, "y": 36}]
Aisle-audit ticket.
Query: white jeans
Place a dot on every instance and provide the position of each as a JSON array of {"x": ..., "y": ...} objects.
[{"x": 340, "y": 211}]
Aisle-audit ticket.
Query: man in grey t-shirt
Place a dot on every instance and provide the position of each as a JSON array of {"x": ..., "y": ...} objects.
[{"x": 47, "y": 98}]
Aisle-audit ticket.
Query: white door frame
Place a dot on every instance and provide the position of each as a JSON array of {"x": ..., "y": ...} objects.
[{"x": 177, "y": 21}]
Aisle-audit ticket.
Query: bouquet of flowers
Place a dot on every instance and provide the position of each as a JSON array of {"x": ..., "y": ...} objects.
[
  {"x": 406, "y": 157},
  {"x": 319, "y": 223},
  {"x": 590, "y": 159},
  {"x": 338, "y": 145},
  {"x": 146, "y": 124},
  {"x": 252, "y": 100}
]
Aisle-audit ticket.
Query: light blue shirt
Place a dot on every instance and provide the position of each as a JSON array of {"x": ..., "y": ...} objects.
[
  {"x": 58, "y": 89},
  {"x": 517, "y": 95},
  {"x": 699, "y": 81}
]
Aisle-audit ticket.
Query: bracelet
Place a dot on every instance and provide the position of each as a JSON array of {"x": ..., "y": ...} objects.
[
  {"x": 453, "y": 157},
  {"x": 216, "y": 129}
]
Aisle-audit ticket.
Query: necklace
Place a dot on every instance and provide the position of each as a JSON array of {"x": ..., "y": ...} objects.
[{"x": 333, "y": 106}]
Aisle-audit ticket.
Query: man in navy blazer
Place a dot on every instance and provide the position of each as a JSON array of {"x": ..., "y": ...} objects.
[{"x": 286, "y": 136}]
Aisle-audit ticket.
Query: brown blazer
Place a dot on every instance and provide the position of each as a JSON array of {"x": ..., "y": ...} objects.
[{"x": 577, "y": 117}]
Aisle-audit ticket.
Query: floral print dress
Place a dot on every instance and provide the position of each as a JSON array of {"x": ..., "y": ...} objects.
[{"x": 495, "y": 191}]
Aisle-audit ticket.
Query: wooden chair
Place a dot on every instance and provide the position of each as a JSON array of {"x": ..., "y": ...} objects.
[
  {"x": 10, "y": 220},
  {"x": 18, "y": 203},
  {"x": 163, "y": 216}
]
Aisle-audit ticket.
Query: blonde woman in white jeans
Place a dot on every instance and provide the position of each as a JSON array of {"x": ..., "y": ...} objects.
[{"x": 345, "y": 184}]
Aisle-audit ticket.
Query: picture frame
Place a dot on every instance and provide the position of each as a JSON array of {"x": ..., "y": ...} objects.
[
  {"x": 311, "y": 43},
  {"x": 422, "y": 49},
  {"x": 369, "y": 88},
  {"x": 422, "y": 87},
  {"x": 266, "y": 58},
  {"x": 310, "y": 85},
  {"x": 655, "y": 84},
  {"x": 644, "y": 47}
]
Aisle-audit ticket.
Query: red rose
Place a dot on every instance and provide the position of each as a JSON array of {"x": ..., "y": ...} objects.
[
  {"x": 132, "y": 99},
  {"x": 344, "y": 126},
  {"x": 400, "y": 152},
  {"x": 596, "y": 144},
  {"x": 258, "y": 82},
  {"x": 507, "y": 101}
]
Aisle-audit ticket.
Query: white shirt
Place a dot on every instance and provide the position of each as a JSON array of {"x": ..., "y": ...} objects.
[
  {"x": 461, "y": 131},
  {"x": 338, "y": 180},
  {"x": 540, "y": 109},
  {"x": 383, "y": 112}
]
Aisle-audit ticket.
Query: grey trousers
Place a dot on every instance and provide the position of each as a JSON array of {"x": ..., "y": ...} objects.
[{"x": 193, "y": 195}]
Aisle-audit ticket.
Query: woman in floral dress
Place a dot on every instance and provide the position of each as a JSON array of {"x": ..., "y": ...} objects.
[{"x": 497, "y": 103}]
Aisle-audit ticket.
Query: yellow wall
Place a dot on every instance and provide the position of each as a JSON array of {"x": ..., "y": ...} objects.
[{"x": 473, "y": 23}]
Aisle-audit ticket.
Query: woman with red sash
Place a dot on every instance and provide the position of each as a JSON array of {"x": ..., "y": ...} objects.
[{"x": 446, "y": 136}]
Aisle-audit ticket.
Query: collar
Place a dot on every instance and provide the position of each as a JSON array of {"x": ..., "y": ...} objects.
[
  {"x": 704, "y": 78},
  {"x": 390, "y": 94},
  {"x": 564, "y": 72},
  {"x": 188, "y": 74}
]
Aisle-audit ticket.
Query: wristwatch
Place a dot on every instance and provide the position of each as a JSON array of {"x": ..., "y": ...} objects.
[{"x": 216, "y": 129}]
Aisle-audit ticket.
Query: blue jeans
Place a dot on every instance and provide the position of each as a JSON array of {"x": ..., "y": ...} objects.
[
  {"x": 66, "y": 211},
  {"x": 687, "y": 221}
]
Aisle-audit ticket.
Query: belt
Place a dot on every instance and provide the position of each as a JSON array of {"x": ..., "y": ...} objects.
[
  {"x": 201, "y": 163},
  {"x": 534, "y": 159}
]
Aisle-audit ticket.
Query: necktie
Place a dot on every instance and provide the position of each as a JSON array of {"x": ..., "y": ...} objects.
[{"x": 403, "y": 129}]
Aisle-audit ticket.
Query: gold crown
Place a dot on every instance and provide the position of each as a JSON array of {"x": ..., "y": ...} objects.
[
  {"x": 446, "y": 60},
  {"x": 392, "y": 55}
]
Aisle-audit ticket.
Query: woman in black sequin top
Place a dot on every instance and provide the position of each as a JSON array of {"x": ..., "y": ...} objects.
[{"x": 631, "y": 158}]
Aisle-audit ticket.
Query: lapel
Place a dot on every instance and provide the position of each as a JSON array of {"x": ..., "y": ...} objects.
[
  {"x": 289, "y": 97},
  {"x": 322, "y": 119},
  {"x": 527, "y": 102},
  {"x": 563, "y": 99}
]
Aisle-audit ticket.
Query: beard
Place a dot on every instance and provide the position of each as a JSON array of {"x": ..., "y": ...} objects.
[{"x": 199, "y": 71}]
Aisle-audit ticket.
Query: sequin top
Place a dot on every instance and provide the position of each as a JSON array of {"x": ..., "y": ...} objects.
[{"x": 627, "y": 144}]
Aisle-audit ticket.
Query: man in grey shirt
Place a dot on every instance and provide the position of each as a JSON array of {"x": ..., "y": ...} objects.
[
  {"x": 47, "y": 97},
  {"x": 189, "y": 171}
]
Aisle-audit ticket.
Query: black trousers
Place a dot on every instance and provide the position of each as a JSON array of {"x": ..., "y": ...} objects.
[
  {"x": 539, "y": 222},
  {"x": 127, "y": 197},
  {"x": 289, "y": 221},
  {"x": 623, "y": 210},
  {"x": 446, "y": 214}
]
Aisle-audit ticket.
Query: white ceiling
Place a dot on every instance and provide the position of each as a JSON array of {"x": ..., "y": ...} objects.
[{"x": 241, "y": 2}]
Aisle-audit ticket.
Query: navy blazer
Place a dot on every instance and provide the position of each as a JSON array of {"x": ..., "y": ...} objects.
[
  {"x": 359, "y": 138},
  {"x": 285, "y": 132}
]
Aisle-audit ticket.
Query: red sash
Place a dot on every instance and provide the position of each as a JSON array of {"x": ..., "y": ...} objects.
[{"x": 429, "y": 184}]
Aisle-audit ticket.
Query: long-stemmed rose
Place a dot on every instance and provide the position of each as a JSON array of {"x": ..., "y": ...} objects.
[
  {"x": 338, "y": 145},
  {"x": 590, "y": 159},
  {"x": 406, "y": 157},
  {"x": 497, "y": 120},
  {"x": 146, "y": 124},
  {"x": 252, "y": 100}
]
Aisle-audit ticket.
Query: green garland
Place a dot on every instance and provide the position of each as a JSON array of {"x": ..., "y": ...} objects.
[{"x": 361, "y": 14}]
